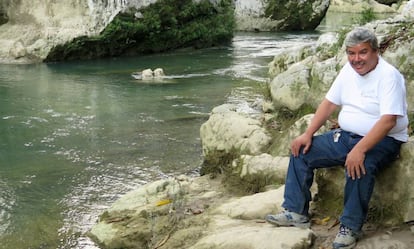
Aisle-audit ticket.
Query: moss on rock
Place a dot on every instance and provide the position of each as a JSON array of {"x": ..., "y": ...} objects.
[
  {"x": 161, "y": 26},
  {"x": 218, "y": 162}
]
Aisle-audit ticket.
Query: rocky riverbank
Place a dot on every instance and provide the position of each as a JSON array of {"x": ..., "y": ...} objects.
[{"x": 245, "y": 160}]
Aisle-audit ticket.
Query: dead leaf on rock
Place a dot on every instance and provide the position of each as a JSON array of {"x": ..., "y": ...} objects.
[{"x": 322, "y": 222}]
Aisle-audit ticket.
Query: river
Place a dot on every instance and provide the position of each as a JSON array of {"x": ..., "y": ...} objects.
[{"x": 75, "y": 136}]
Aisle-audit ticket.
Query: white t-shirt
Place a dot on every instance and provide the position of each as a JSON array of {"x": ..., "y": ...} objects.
[{"x": 363, "y": 99}]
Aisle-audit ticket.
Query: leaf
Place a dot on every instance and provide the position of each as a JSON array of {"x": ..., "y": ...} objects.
[
  {"x": 163, "y": 202},
  {"x": 323, "y": 221}
]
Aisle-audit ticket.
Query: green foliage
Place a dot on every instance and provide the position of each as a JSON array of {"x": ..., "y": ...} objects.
[
  {"x": 283, "y": 119},
  {"x": 276, "y": 9},
  {"x": 289, "y": 117},
  {"x": 342, "y": 35},
  {"x": 3, "y": 17},
  {"x": 164, "y": 25},
  {"x": 219, "y": 162},
  {"x": 335, "y": 49},
  {"x": 282, "y": 10},
  {"x": 367, "y": 15},
  {"x": 248, "y": 184},
  {"x": 410, "y": 123},
  {"x": 402, "y": 33}
]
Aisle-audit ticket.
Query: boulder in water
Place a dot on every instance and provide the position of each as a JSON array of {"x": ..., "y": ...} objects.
[{"x": 149, "y": 74}]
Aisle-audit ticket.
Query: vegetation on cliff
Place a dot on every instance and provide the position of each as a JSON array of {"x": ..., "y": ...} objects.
[
  {"x": 3, "y": 13},
  {"x": 161, "y": 26},
  {"x": 301, "y": 19}
]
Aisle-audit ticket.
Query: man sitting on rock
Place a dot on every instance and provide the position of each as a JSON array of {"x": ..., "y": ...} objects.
[{"x": 373, "y": 125}]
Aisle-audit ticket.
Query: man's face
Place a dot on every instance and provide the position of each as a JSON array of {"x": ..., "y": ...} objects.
[{"x": 362, "y": 57}]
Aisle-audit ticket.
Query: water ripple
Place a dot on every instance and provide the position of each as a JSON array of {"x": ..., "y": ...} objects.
[
  {"x": 7, "y": 202},
  {"x": 91, "y": 196}
]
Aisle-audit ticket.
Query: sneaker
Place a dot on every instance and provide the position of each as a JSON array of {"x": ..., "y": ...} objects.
[
  {"x": 287, "y": 219},
  {"x": 345, "y": 239}
]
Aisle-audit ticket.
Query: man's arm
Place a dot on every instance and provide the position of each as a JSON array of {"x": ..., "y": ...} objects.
[
  {"x": 322, "y": 114},
  {"x": 355, "y": 159}
]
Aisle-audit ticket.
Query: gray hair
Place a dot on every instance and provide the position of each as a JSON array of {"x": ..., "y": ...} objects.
[{"x": 361, "y": 35}]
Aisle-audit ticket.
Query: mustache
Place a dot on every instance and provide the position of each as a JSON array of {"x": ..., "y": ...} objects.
[{"x": 357, "y": 63}]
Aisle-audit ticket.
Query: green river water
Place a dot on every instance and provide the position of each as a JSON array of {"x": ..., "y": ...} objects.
[{"x": 75, "y": 136}]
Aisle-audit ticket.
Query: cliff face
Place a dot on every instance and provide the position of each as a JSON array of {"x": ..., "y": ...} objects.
[
  {"x": 31, "y": 28},
  {"x": 162, "y": 26},
  {"x": 279, "y": 15},
  {"x": 35, "y": 31}
]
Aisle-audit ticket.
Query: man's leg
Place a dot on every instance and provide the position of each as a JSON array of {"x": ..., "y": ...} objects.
[
  {"x": 324, "y": 152},
  {"x": 358, "y": 192}
]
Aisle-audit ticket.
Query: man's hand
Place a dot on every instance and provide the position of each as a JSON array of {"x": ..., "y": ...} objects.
[
  {"x": 355, "y": 164},
  {"x": 303, "y": 140},
  {"x": 325, "y": 109}
]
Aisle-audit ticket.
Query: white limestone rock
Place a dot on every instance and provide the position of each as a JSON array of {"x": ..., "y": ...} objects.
[
  {"x": 147, "y": 74},
  {"x": 262, "y": 166},
  {"x": 359, "y": 5},
  {"x": 242, "y": 208},
  {"x": 230, "y": 234},
  {"x": 42, "y": 24},
  {"x": 291, "y": 88},
  {"x": 159, "y": 73},
  {"x": 228, "y": 131}
]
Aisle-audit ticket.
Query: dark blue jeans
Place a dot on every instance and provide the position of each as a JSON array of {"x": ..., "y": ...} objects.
[{"x": 325, "y": 153}]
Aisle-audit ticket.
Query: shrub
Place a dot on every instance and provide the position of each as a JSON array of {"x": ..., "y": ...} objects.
[{"x": 164, "y": 25}]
